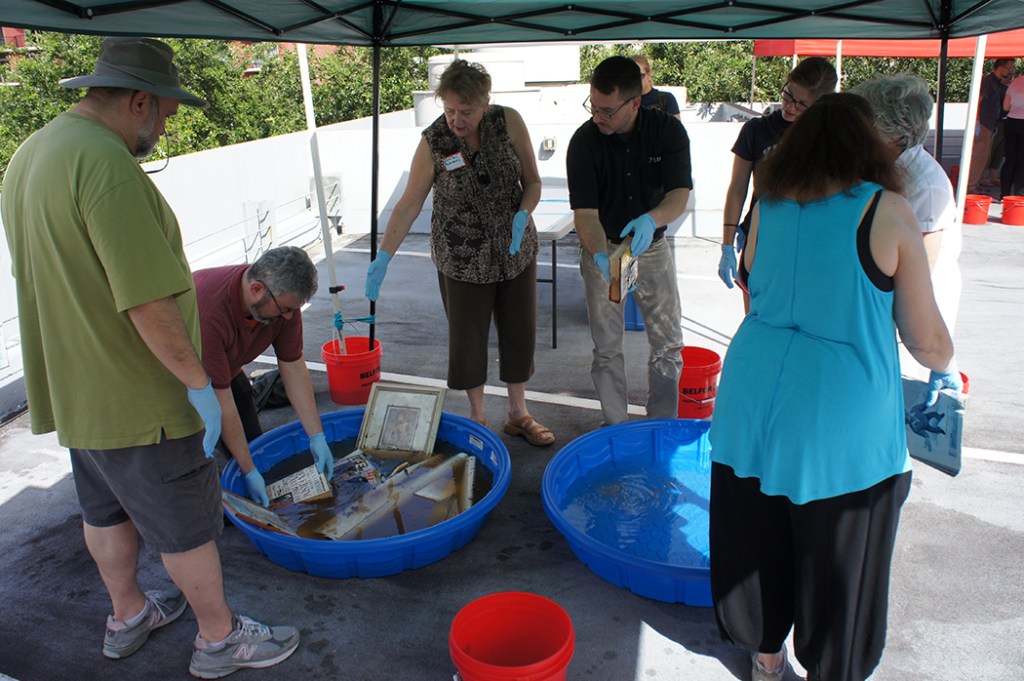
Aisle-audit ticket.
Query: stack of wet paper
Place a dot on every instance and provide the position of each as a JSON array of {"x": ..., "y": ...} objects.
[{"x": 361, "y": 502}]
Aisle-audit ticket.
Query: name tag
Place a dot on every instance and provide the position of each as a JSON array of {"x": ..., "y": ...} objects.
[{"x": 454, "y": 162}]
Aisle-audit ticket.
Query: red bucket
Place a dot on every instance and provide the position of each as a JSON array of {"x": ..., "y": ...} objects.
[
  {"x": 1013, "y": 210},
  {"x": 512, "y": 636},
  {"x": 976, "y": 209},
  {"x": 698, "y": 382},
  {"x": 351, "y": 375}
]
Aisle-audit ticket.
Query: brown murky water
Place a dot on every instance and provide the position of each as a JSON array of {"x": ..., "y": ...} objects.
[{"x": 391, "y": 497}]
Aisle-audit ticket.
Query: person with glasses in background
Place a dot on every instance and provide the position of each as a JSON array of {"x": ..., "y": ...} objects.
[
  {"x": 628, "y": 169},
  {"x": 478, "y": 159},
  {"x": 812, "y": 78},
  {"x": 652, "y": 96},
  {"x": 110, "y": 339},
  {"x": 243, "y": 310}
]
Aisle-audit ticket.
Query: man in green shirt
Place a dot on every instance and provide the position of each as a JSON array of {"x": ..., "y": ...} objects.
[{"x": 110, "y": 338}]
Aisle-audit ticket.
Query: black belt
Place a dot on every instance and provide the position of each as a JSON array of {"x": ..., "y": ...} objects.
[{"x": 659, "y": 233}]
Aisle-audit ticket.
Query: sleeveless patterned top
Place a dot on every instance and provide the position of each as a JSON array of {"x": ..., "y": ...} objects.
[{"x": 474, "y": 203}]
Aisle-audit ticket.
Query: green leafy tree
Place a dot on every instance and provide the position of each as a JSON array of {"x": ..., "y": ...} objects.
[
  {"x": 266, "y": 103},
  {"x": 721, "y": 71}
]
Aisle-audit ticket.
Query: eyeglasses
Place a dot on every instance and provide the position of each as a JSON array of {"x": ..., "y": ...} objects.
[
  {"x": 788, "y": 98},
  {"x": 482, "y": 176},
  {"x": 281, "y": 312},
  {"x": 606, "y": 114}
]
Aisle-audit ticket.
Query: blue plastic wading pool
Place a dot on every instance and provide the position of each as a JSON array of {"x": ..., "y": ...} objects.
[
  {"x": 372, "y": 557},
  {"x": 632, "y": 501}
]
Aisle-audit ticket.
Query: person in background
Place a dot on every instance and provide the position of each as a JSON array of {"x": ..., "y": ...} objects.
[
  {"x": 812, "y": 78},
  {"x": 243, "y": 310},
  {"x": 665, "y": 101},
  {"x": 478, "y": 159},
  {"x": 990, "y": 178},
  {"x": 110, "y": 339},
  {"x": 902, "y": 107},
  {"x": 988, "y": 116},
  {"x": 809, "y": 453},
  {"x": 628, "y": 169},
  {"x": 1012, "y": 175}
]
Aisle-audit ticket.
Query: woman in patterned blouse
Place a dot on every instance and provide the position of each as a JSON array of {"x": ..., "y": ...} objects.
[{"x": 478, "y": 159}]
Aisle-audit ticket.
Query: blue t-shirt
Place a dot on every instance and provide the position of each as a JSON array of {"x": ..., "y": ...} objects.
[{"x": 811, "y": 400}]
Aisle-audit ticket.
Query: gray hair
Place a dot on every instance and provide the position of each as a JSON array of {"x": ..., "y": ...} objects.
[
  {"x": 287, "y": 269},
  {"x": 902, "y": 106}
]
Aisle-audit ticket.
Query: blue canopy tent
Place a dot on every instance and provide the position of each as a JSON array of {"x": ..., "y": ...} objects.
[{"x": 382, "y": 23}]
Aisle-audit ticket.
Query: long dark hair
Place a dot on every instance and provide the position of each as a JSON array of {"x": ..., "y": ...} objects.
[{"x": 833, "y": 143}]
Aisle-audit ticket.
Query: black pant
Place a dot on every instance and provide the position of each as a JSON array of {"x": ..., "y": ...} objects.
[
  {"x": 241, "y": 390},
  {"x": 821, "y": 568},
  {"x": 1012, "y": 176}
]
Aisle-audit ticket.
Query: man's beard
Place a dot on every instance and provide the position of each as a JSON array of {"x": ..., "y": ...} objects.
[{"x": 147, "y": 138}]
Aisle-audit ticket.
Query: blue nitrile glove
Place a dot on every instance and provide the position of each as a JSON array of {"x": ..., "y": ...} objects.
[
  {"x": 740, "y": 240},
  {"x": 642, "y": 229},
  {"x": 375, "y": 275},
  {"x": 257, "y": 488},
  {"x": 205, "y": 403},
  {"x": 322, "y": 454},
  {"x": 601, "y": 260},
  {"x": 518, "y": 228},
  {"x": 727, "y": 265},
  {"x": 938, "y": 380}
]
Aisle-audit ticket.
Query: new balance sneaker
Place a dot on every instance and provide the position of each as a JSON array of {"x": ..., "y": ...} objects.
[
  {"x": 250, "y": 645},
  {"x": 162, "y": 607}
]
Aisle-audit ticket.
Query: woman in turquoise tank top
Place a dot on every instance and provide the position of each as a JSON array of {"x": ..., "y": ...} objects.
[{"x": 810, "y": 466}]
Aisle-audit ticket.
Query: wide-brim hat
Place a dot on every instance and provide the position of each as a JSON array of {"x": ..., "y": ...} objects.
[{"x": 137, "y": 64}]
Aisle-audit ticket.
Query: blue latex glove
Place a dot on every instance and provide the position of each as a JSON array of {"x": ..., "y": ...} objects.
[
  {"x": 938, "y": 380},
  {"x": 322, "y": 454},
  {"x": 727, "y": 265},
  {"x": 740, "y": 239},
  {"x": 205, "y": 403},
  {"x": 257, "y": 488},
  {"x": 518, "y": 228},
  {"x": 375, "y": 275},
  {"x": 642, "y": 229},
  {"x": 601, "y": 260}
]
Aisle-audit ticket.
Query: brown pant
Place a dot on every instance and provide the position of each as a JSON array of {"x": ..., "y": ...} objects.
[{"x": 513, "y": 304}]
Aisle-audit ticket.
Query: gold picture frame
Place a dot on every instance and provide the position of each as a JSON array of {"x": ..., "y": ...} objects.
[{"x": 401, "y": 418}]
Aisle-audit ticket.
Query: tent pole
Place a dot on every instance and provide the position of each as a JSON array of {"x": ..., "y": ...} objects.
[
  {"x": 940, "y": 97},
  {"x": 753, "y": 79},
  {"x": 318, "y": 181},
  {"x": 839, "y": 65},
  {"x": 969, "y": 127},
  {"x": 374, "y": 172}
]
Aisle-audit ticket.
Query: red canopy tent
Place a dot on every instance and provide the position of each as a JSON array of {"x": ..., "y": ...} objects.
[{"x": 1009, "y": 44}]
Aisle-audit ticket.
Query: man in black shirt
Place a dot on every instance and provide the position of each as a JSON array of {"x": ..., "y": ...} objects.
[{"x": 629, "y": 174}]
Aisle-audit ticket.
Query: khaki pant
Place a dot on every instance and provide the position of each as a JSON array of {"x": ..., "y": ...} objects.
[{"x": 980, "y": 155}]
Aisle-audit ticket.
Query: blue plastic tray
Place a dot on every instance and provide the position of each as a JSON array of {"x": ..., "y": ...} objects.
[
  {"x": 372, "y": 557},
  {"x": 663, "y": 560}
]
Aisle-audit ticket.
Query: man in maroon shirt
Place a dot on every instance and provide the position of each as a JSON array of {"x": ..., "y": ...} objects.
[{"x": 243, "y": 310}]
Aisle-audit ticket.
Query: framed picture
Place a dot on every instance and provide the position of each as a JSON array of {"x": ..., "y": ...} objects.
[{"x": 401, "y": 418}]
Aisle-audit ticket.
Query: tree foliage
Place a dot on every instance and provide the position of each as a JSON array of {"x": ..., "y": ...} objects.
[
  {"x": 721, "y": 71},
  {"x": 269, "y": 102},
  {"x": 266, "y": 103}
]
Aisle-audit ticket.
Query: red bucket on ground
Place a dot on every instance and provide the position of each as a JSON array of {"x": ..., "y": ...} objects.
[
  {"x": 1013, "y": 210},
  {"x": 976, "y": 209},
  {"x": 698, "y": 382},
  {"x": 350, "y": 375},
  {"x": 512, "y": 636}
]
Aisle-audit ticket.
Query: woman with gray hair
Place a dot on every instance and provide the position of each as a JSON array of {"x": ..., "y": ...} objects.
[{"x": 903, "y": 107}]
